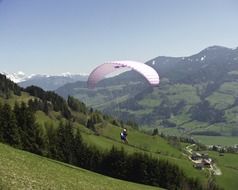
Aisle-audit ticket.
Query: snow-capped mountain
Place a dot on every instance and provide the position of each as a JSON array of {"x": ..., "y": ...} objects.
[
  {"x": 45, "y": 81},
  {"x": 16, "y": 77}
]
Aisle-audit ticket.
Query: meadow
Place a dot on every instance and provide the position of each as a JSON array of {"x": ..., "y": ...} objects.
[
  {"x": 23, "y": 170},
  {"x": 217, "y": 140}
]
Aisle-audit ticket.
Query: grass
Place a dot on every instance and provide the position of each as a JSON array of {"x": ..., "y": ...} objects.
[
  {"x": 139, "y": 112},
  {"x": 23, "y": 170},
  {"x": 149, "y": 101},
  {"x": 42, "y": 118},
  {"x": 221, "y": 100},
  {"x": 140, "y": 142},
  {"x": 178, "y": 92},
  {"x": 160, "y": 148},
  {"x": 229, "y": 167},
  {"x": 225, "y": 96},
  {"x": 217, "y": 140},
  {"x": 232, "y": 114},
  {"x": 230, "y": 88},
  {"x": 25, "y": 97}
]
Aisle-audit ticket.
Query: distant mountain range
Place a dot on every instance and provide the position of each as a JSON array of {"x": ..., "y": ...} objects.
[
  {"x": 47, "y": 82},
  {"x": 198, "y": 94}
]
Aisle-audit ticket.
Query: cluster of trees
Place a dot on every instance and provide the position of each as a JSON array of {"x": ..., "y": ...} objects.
[
  {"x": 58, "y": 103},
  {"x": 203, "y": 111},
  {"x": 130, "y": 104},
  {"x": 37, "y": 104},
  {"x": 163, "y": 111},
  {"x": 206, "y": 133},
  {"x": 94, "y": 118},
  {"x": 7, "y": 87},
  {"x": 224, "y": 149},
  {"x": 19, "y": 129},
  {"x": 76, "y": 105},
  {"x": 168, "y": 124},
  {"x": 210, "y": 88}
]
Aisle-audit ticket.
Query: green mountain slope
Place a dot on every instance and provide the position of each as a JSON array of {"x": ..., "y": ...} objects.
[
  {"x": 197, "y": 94},
  {"x": 23, "y": 170},
  {"x": 229, "y": 167}
]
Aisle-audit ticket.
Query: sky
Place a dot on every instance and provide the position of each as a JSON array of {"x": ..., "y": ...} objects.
[{"x": 58, "y": 36}]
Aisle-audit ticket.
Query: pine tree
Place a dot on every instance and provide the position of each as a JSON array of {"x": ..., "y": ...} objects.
[
  {"x": 90, "y": 124},
  {"x": 155, "y": 132},
  {"x": 28, "y": 129},
  {"x": 64, "y": 143},
  {"x": 10, "y": 132},
  {"x": 78, "y": 147},
  {"x": 1, "y": 127},
  {"x": 50, "y": 141},
  {"x": 45, "y": 107}
]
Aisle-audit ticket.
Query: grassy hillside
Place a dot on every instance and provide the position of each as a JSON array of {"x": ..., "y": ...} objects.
[
  {"x": 160, "y": 148},
  {"x": 108, "y": 135},
  {"x": 228, "y": 163},
  {"x": 229, "y": 167},
  {"x": 25, "y": 97},
  {"x": 23, "y": 170}
]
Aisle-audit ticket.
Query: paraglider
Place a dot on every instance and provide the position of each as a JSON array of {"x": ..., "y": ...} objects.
[
  {"x": 103, "y": 70},
  {"x": 124, "y": 136}
]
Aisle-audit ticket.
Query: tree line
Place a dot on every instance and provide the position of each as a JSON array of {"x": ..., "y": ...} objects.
[{"x": 56, "y": 101}]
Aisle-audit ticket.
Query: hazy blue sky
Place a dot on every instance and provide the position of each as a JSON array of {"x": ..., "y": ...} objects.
[{"x": 55, "y": 36}]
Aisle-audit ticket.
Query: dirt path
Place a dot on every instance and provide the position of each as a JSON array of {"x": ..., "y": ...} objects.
[
  {"x": 215, "y": 170},
  {"x": 189, "y": 149}
]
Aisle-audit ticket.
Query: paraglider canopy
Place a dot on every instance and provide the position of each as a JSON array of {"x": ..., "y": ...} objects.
[{"x": 101, "y": 71}]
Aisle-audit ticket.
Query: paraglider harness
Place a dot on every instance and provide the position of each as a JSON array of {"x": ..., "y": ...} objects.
[{"x": 124, "y": 135}]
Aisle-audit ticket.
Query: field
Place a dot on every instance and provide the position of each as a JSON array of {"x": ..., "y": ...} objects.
[
  {"x": 217, "y": 140},
  {"x": 229, "y": 167},
  {"x": 25, "y": 97},
  {"x": 23, "y": 170},
  {"x": 140, "y": 142}
]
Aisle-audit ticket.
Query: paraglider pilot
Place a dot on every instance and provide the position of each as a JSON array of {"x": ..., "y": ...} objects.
[{"x": 124, "y": 135}]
